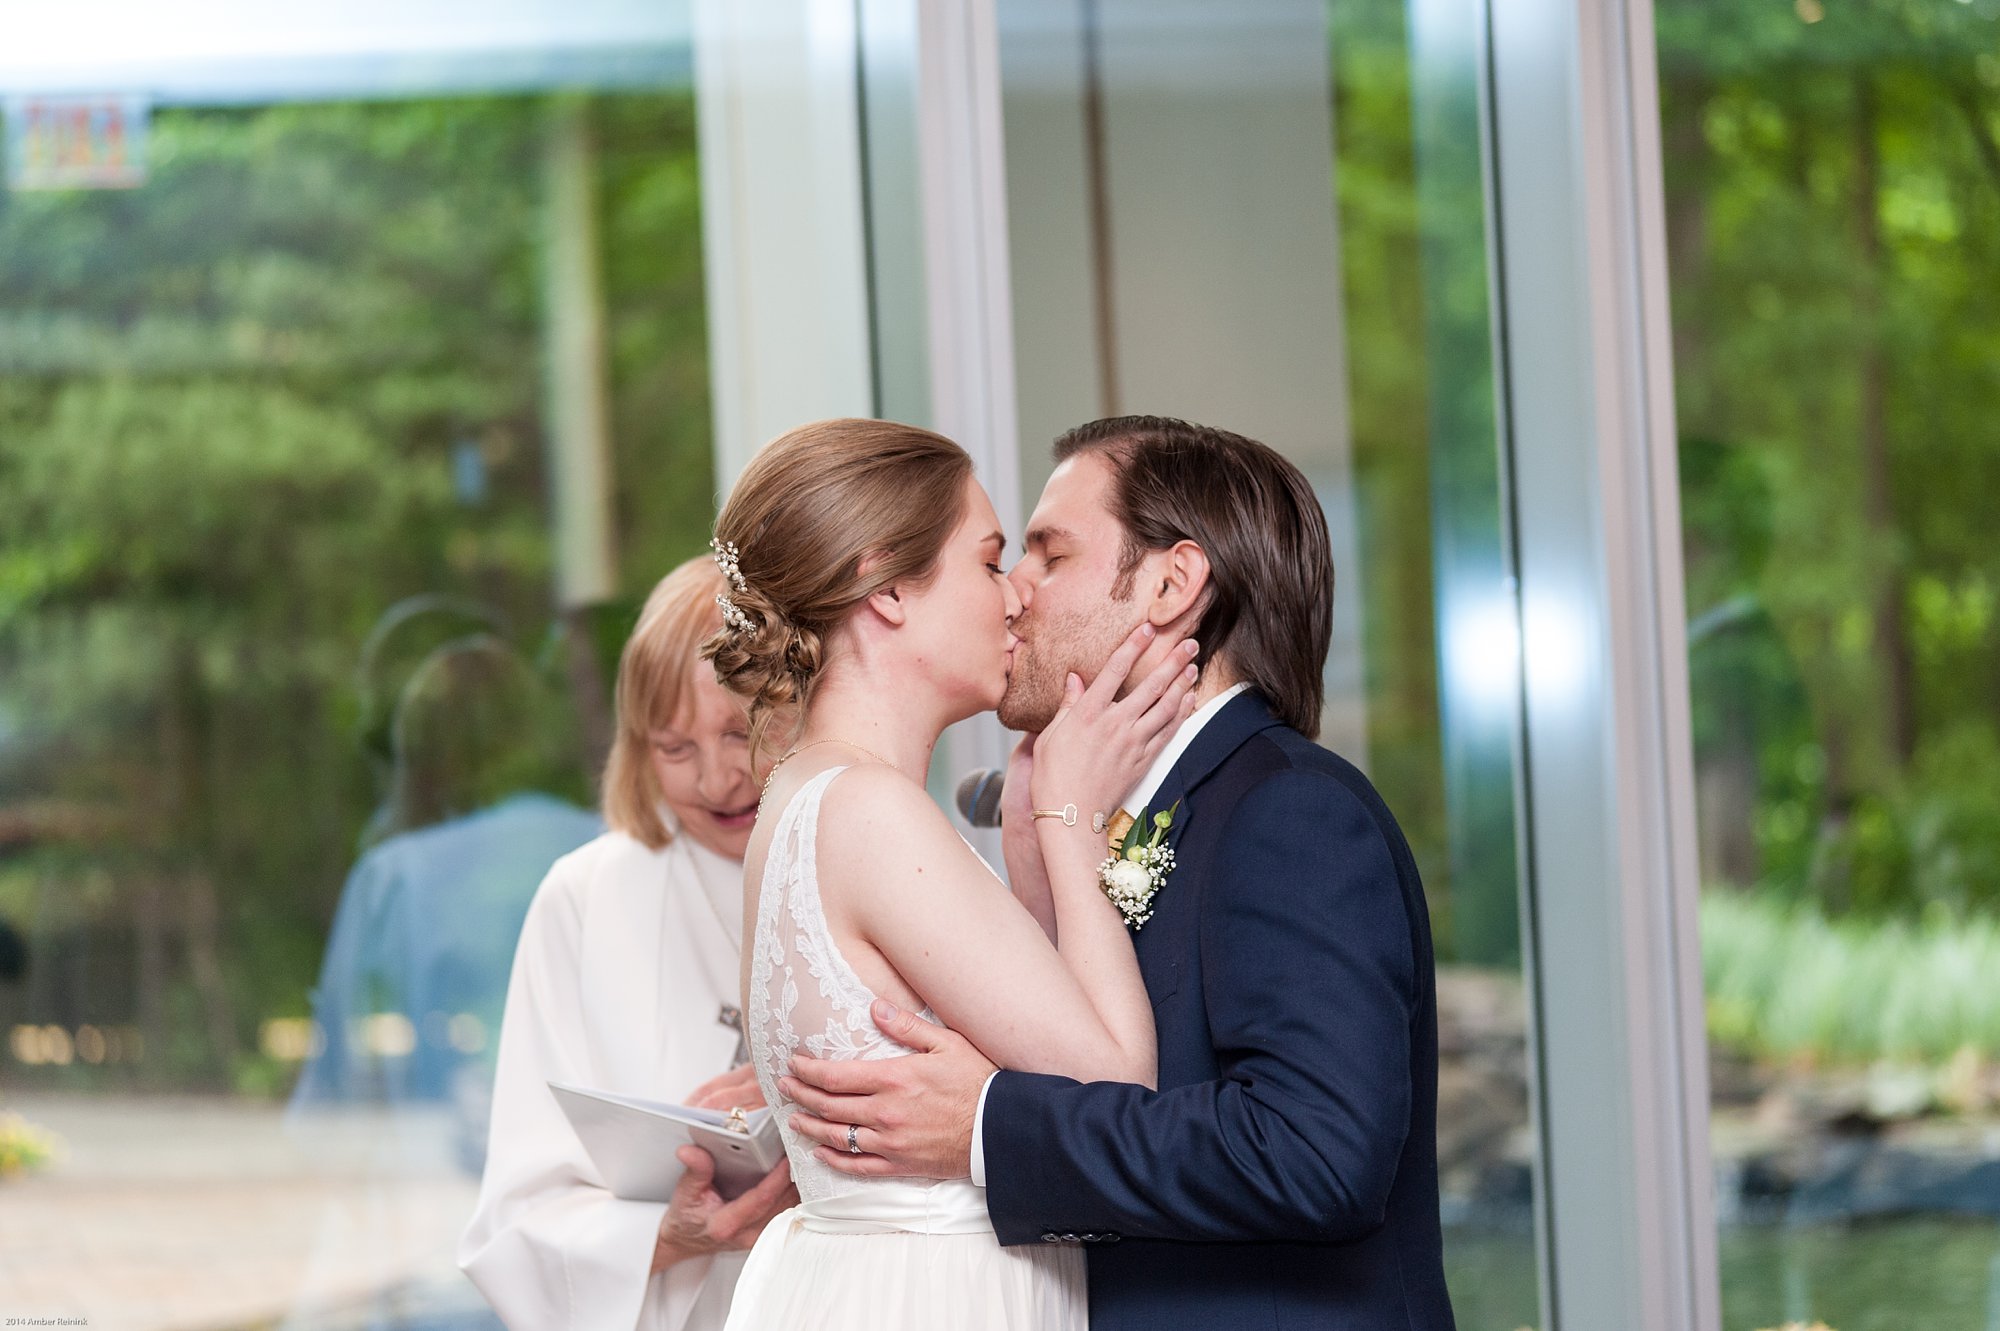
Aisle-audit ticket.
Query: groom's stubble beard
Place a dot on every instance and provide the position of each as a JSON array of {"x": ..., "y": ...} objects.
[{"x": 1051, "y": 647}]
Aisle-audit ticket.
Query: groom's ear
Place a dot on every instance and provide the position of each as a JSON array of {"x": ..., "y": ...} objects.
[{"x": 1179, "y": 582}]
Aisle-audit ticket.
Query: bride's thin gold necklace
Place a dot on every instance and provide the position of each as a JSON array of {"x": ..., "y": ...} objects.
[{"x": 798, "y": 749}]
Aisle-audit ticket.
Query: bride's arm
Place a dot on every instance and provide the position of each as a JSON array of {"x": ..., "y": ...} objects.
[{"x": 895, "y": 872}]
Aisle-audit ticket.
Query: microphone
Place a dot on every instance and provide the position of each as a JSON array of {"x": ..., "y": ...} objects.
[{"x": 979, "y": 796}]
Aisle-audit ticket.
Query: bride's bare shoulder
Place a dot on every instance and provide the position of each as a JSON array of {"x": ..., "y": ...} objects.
[
  {"x": 873, "y": 792},
  {"x": 872, "y": 816}
]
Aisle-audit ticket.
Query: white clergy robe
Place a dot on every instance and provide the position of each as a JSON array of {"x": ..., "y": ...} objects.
[{"x": 626, "y": 959}]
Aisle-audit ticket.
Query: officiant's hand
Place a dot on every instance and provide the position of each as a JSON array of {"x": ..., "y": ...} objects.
[
  {"x": 734, "y": 1089},
  {"x": 699, "y": 1223},
  {"x": 913, "y": 1114}
]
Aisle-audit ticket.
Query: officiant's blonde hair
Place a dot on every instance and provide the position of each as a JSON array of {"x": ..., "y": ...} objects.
[{"x": 656, "y": 690}]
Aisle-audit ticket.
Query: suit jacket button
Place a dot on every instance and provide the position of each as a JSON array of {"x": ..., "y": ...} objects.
[
  {"x": 1069, "y": 1238},
  {"x": 1050, "y": 1236}
]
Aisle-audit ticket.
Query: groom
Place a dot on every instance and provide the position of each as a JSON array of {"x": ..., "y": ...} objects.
[{"x": 1284, "y": 1174}]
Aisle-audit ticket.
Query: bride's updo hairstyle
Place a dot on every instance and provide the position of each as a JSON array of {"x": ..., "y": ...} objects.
[{"x": 812, "y": 506}]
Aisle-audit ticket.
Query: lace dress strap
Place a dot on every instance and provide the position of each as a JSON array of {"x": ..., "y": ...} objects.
[
  {"x": 803, "y": 993},
  {"x": 838, "y": 983}
]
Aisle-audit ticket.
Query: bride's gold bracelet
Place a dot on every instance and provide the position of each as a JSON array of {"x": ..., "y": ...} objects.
[{"x": 1068, "y": 815}]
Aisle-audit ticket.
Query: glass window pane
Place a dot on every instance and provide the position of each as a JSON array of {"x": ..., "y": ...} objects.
[
  {"x": 1270, "y": 217},
  {"x": 1833, "y": 207},
  {"x": 338, "y": 443}
]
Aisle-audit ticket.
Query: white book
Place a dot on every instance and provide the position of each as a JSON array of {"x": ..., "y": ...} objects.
[{"x": 632, "y": 1142}]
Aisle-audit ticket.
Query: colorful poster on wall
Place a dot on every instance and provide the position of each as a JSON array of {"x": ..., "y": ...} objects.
[{"x": 76, "y": 142}]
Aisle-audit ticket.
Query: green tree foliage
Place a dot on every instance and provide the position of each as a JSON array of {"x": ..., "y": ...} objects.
[
  {"x": 1833, "y": 186},
  {"x": 245, "y": 409},
  {"x": 1375, "y": 186},
  {"x": 1422, "y": 387},
  {"x": 1833, "y": 201}
]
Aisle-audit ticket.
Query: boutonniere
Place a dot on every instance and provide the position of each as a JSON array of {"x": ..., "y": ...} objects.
[{"x": 1138, "y": 867}]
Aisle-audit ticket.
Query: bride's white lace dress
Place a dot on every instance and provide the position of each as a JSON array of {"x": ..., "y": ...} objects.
[{"x": 866, "y": 1254}]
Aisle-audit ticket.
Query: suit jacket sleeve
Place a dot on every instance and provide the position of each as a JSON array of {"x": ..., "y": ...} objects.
[{"x": 1309, "y": 974}]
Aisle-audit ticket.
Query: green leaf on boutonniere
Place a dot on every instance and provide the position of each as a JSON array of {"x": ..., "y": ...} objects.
[
  {"x": 1139, "y": 866},
  {"x": 1147, "y": 830}
]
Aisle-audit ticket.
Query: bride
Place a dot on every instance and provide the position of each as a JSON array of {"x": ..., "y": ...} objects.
[{"x": 868, "y": 605}]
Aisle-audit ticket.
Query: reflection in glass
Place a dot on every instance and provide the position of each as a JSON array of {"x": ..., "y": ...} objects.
[
  {"x": 1833, "y": 208},
  {"x": 398, "y": 1078},
  {"x": 1270, "y": 217},
  {"x": 292, "y": 389},
  {"x": 415, "y": 969}
]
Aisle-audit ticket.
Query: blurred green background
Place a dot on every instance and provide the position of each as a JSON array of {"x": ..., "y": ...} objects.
[{"x": 290, "y": 386}]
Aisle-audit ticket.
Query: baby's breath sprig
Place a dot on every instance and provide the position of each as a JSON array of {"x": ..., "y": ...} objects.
[{"x": 1139, "y": 869}]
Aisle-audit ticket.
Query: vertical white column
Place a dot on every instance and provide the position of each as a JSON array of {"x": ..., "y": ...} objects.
[
  {"x": 1610, "y": 773},
  {"x": 962, "y": 185},
  {"x": 783, "y": 222},
  {"x": 962, "y": 193}
]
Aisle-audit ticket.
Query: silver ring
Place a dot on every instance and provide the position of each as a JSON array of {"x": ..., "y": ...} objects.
[{"x": 853, "y": 1146}]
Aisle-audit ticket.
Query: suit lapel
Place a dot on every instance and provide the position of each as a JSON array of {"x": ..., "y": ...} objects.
[
  {"x": 1244, "y": 715},
  {"x": 1163, "y": 940}
]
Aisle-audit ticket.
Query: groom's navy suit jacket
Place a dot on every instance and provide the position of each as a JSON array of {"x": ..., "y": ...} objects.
[{"x": 1284, "y": 1174}]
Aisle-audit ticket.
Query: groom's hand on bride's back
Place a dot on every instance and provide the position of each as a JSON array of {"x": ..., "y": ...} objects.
[{"x": 913, "y": 1115}]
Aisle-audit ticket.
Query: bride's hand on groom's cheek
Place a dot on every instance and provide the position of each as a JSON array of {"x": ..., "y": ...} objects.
[
  {"x": 913, "y": 1115},
  {"x": 1105, "y": 736}
]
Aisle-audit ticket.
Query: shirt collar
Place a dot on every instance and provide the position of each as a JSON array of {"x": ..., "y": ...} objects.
[{"x": 1149, "y": 785}]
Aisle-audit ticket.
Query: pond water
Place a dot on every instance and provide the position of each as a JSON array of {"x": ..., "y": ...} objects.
[{"x": 1904, "y": 1274}]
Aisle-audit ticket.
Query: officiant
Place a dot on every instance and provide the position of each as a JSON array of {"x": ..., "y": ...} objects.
[{"x": 626, "y": 979}]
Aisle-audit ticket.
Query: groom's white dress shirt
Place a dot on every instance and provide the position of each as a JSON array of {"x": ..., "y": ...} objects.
[{"x": 1133, "y": 804}]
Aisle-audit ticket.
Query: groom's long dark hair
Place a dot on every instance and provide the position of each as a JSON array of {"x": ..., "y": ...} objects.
[{"x": 1270, "y": 600}]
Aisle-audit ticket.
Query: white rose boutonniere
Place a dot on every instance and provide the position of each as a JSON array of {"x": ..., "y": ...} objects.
[{"x": 1139, "y": 868}]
